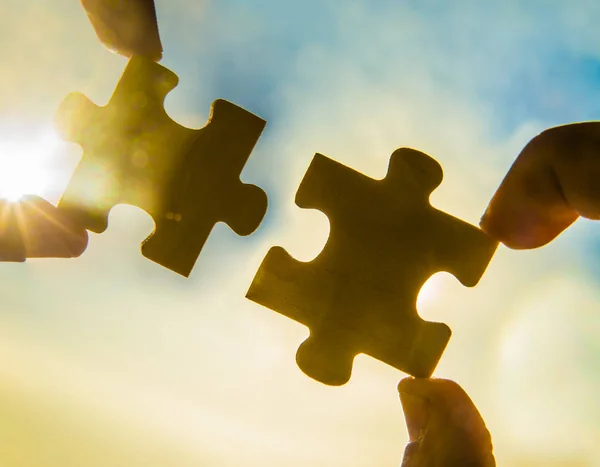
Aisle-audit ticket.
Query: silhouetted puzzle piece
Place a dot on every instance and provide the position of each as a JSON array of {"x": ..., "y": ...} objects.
[
  {"x": 187, "y": 180},
  {"x": 359, "y": 295}
]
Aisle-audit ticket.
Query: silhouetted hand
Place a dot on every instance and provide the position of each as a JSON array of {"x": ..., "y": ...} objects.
[
  {"x": 555, "y": 179},
  {"x": 444, "y": 427},
  {"x": 34, "y": 228},
  {"x": 127, "y": 27}
]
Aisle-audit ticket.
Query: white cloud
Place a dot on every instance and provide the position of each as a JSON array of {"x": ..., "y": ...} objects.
[{"x": 379, "y": 78}]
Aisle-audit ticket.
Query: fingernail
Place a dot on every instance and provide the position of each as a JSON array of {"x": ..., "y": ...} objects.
[
  {"x": 483, "y": 222},
  {"x": 487, "y": 224},
  {"x": 416, "y": 412},
  {"x": 410, "y": 451},
  {"x": 490, "y": 226}
]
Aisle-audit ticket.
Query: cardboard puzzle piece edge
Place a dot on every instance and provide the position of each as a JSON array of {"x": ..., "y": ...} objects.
[
  {"x": 133, "y": 153},
  {"x": 359, "y": 294}
]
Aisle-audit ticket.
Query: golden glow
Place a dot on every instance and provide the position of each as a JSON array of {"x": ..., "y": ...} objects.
[
  {"x": 24, "y": 157},
  {"x": 430, "y": 291}
]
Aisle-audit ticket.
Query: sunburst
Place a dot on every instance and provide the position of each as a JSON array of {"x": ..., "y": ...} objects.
[{"x": 24, "y": 161}]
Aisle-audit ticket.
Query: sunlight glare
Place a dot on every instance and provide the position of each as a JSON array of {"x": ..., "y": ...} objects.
[
  {"x": 430, "y": 291},
  {"x": 24, "y": 156}
]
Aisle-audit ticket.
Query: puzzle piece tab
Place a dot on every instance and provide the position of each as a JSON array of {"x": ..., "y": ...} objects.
[
  {"x": 187, "y": 180},
  {"x": 359, "y": 295}
]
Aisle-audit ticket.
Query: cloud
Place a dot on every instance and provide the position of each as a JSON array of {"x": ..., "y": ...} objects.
[
  {"x": 355, "y": 83},
  {"x": 47, "y": 49}
]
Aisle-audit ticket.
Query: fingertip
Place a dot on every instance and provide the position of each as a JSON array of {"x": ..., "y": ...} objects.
[
  {"x": 521, "y": 229},
  {"x": 78, "y": 243},
  {"x": 414, "y": 386},
  {"x": 534, "y": 203},
  {"x": 418, "y": 386},
  {"x": 127, "y": 28},
  {"x": 156, "y": 55},
  {"x": 437, "y": 391},
  {"x": 405, "y": 384},
  {"x": 47, "y": 232}
]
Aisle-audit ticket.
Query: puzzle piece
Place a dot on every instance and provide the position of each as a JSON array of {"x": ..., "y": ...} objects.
[
  {"x": 359, "y": 295},
  {"x": 187, "y": 180}
]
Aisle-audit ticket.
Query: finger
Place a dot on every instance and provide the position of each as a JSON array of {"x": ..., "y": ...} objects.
[
  {"x": 128, "y": 27},
  {"x": 445, "y": 400},
  {"x": 411, "y": 455},
  {"x": 34, "y": 228},
  {"x": 426, "y": 398},
  {"x": 451, "y": 433},
  {"x": 436, "y": 391},
  {"x": 11, "y": 242},
  {"x": 416, "y": 413},
  {"x": 554, "y": 180}
]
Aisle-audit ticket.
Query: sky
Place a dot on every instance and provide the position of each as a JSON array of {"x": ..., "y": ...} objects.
[{"x": 112, "y": 360}]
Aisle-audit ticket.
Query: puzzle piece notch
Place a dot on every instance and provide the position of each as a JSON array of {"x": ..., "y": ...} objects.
[
  {"x": 359, "y": 294},
  {"x": 131, "y": 147},
  {"x": 187, "y": 180},
  {"x": 210, "y": 190},
  {"x": 403, "y": 195}
]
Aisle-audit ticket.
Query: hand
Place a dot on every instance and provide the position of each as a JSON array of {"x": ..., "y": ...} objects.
[
  {"x": 34, "y": 228},
  {"x": 555, "y": 179},
  {"x": 444, "y": 427},
  {"x": 127, "y": 27}
]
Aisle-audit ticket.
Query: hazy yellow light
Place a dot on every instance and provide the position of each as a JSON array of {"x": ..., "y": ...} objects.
[
  {"x": 430, "y": 292},
  {"x": 546, "y": 370},
  {"x": 24, "y": 158}
]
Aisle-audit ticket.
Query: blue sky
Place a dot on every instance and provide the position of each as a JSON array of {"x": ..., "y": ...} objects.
[
  {"x": 112, "y": 360},
  {"x": 537, "y": 75}
]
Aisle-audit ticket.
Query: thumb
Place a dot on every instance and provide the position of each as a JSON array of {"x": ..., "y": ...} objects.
[
  {"x": 444, "y": 426},
  {"x": 417, "y": 413}
]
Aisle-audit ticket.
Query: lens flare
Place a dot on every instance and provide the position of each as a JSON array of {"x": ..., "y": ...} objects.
[{"x": 24, "y": 162}]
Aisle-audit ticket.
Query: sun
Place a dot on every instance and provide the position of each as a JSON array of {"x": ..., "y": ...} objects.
[{"x": 25, "y": 155}]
